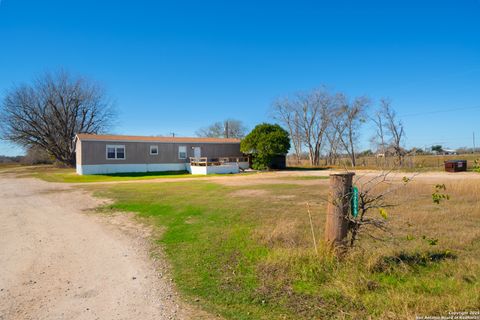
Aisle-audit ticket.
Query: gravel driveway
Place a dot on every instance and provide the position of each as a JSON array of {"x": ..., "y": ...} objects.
[{"x": 57, "y": 262}]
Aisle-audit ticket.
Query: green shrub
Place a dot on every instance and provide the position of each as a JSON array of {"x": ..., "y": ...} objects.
[{"x": 264, "y": 142}]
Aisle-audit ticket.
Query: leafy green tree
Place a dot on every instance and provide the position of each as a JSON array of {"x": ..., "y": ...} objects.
[{"x": 264, "y": 142}]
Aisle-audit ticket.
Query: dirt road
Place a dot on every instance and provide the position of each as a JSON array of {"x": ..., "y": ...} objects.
[{"x": 57, "y": 262}]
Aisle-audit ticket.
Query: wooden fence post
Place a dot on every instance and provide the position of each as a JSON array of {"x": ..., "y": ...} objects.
[{"x": 338, "y": 209}]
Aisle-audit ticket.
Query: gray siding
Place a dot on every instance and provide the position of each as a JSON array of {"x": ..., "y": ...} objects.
[{"x": 94, "y": 152}]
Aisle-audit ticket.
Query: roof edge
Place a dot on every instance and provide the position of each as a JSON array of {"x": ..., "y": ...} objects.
[{"x": 125, "y": 138}]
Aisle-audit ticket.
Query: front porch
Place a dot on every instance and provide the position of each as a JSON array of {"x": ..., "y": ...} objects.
[{"x": 224, "y": 165}]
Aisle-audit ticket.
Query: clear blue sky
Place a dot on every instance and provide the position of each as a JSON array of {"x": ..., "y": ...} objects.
[{"x": 175, "y": 66}]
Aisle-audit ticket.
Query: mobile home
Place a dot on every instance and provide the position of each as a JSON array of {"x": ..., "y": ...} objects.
[{"x": 107, "y": 154}]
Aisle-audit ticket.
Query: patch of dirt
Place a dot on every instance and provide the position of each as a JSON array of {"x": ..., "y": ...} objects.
[
  {"x": 285, "y": 196},
  {"x": 267, "y": 179},
  {"x": 249, "y": 193}
]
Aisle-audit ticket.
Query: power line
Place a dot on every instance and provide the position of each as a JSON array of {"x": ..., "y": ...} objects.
[{"x": 438, "y": 111}]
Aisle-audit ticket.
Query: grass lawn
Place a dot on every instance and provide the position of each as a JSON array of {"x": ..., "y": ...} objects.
[
  {"x": 246, "y": 252},
  {"x": 68, "y": 175},
  {"x": 52, "y": 174}
]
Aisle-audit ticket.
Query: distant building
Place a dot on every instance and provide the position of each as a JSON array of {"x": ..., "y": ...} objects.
[{"x": 449, "y": 151}]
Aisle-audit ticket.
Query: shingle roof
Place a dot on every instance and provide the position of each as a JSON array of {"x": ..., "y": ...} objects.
[{"x": 100, "y": 137}]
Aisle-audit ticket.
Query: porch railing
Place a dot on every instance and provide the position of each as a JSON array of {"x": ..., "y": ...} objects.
[{"x": 204, "y": 161}]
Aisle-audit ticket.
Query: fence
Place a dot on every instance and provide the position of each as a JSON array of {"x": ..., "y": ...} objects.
[{"x": 435, "y": 162}]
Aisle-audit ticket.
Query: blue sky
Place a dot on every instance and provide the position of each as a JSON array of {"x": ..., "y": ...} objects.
[{"x": 175, "y": 66}]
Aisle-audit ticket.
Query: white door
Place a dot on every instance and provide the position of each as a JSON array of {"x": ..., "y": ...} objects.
[{"x": 197, "y": 152}]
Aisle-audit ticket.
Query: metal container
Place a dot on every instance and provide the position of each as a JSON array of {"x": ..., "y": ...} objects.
[{"x": 455, "y": 165}]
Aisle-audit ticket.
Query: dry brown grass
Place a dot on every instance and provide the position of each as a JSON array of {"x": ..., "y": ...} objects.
[
  {"x": 437, "y": 248},
  {"x": 454, "y": 222}
]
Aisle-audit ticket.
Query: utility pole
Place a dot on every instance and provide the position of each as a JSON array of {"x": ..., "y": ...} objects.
[
  {"x": 473, "y": 141},
  {"x": 173, "y": 134},
  {"x": 226, "y": 129}
]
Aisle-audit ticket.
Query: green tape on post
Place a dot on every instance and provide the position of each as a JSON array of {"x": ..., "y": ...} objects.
[{"x": 354, "y": 205}]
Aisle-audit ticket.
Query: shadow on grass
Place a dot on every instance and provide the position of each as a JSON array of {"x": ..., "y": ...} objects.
[
  {"x": 417, "y": 259},
  {"x": 144, "y": 174},
  {"x": 306, "y": 168}
]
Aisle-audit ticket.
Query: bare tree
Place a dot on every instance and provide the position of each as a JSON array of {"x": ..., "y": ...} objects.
[
  {"x": 229, "y": 128},
  {"x": 379, "y": 137},
  {"x": 378, "y": 140},
  {"x": 334, "y": 142},
  {"x": 394, "y": 129},
  {"x": 49, "y": 113},
  {"x": 314, "y": 119},
  {"x": 307, "y": 117},
  {"x": 335, "y": 129},
  {"x": 360, "y": 207},
  {"x": 319, "y": 119},
  {"x": 332, "y": 146},
  {"x": 373, "y": 197},
  {"x": 286, "y": 114},
  {"x": 351, "y": 115}
]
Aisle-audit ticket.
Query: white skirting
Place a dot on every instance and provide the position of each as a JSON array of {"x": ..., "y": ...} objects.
[
  {"x": 157, "y": 167},
  {"x": 221, "y": 169},
  {"x": 125, "y": 168}
]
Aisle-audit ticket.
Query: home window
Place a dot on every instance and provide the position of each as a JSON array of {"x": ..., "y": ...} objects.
[
  {"x": 182, "y": 152},
  {"x": 111, "y": 152},
  {"x": 115, "y": 152},
  {"x": 153, "y": 150}
]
